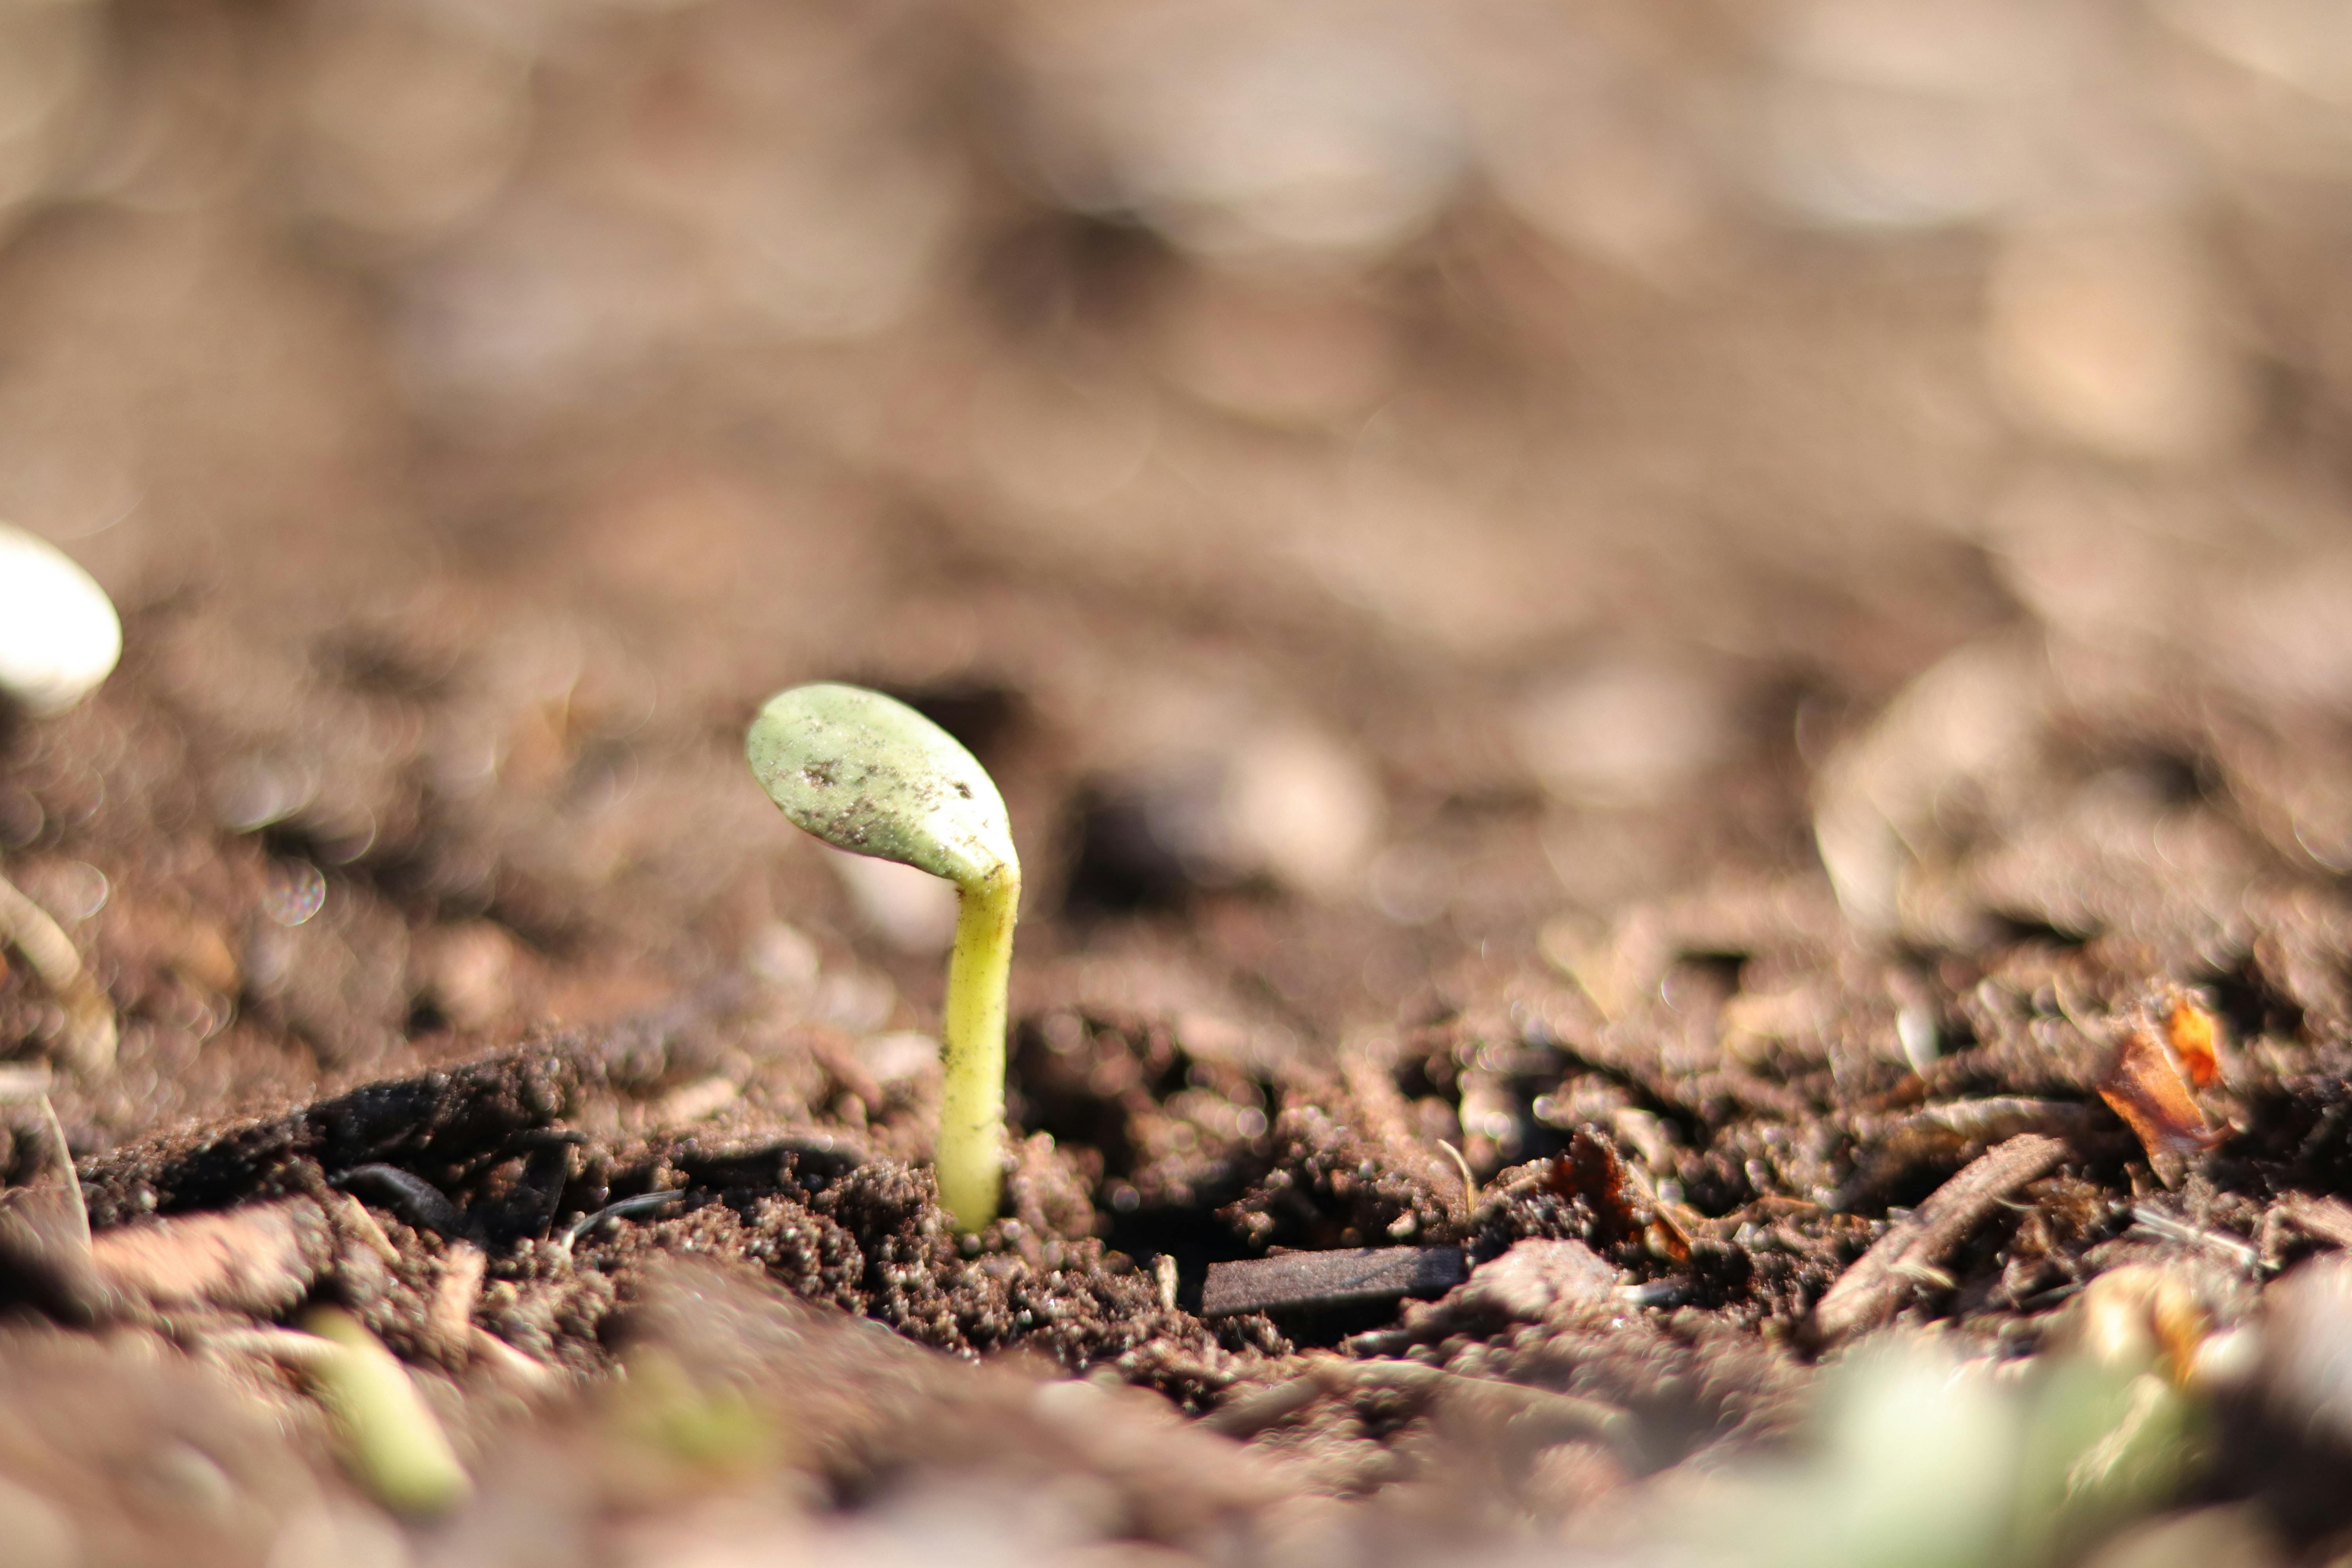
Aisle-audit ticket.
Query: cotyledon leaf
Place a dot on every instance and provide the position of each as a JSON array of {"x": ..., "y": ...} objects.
[{"x": 869, "y": 774}]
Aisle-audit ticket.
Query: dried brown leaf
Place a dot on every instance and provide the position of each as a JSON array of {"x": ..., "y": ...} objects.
[
  {"x": 2142, "y": 1084},
  {"x": 1591, "y": 1171}
]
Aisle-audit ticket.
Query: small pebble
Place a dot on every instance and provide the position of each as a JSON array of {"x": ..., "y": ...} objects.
[
  {"x": 896, "y": 1057},
  {"x": 2109, "y": 337},
  {"x": 911, "y": 909},
  {"x": 1623, "y": 730},
  {"x": 1534, "y": 1275}
]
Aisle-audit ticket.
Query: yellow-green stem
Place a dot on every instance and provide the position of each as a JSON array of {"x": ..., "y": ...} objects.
[{"x": 971, "y": 1151}]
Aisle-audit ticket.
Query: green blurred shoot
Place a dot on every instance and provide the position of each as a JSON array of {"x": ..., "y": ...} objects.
[
  {"x": 694, "y": 1429},
  {"x": 394, "y": 1446}
]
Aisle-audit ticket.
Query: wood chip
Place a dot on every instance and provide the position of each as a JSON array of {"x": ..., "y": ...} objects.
[
  {"x": 1948, "y": 1136},
  {"x": 1898, "y": 1263},
  {"x": 451, "y": 1315},
  {"x": 351, "y": 1220},
  {"x": 90, "y": 1026},
  {"x": 262, "y": 1258},
  {"x": 525, "y": 1372},
  {"x": 1294, "y": 1279}
]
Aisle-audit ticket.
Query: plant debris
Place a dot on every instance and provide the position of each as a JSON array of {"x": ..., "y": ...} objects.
[
  {"x": 1904, "y": 1261},
  {"x": 2143, "y": 1085}
]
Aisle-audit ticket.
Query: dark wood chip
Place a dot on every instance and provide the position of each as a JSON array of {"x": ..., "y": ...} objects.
[
  {"x": 1294, "y": 1280},
  {"x": 1897, "y": 1263}
]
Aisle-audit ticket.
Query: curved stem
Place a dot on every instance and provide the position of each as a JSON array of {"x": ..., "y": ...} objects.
[{"x": 971, "y": 1151}]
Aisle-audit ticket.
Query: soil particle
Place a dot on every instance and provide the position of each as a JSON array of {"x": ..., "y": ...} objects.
[
  {"x": 1328, "y": 1186},
  {"x": 123, "y": 1450}
]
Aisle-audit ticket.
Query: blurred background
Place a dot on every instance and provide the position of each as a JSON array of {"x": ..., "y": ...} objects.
[{"x": 1373, "y": 478}]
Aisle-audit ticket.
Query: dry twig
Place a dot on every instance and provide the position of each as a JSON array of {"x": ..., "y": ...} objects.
[{"x": 1908, "y": 1256}]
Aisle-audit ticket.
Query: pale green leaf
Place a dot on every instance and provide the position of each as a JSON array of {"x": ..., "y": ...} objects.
[{"x": 869, "y": 774}]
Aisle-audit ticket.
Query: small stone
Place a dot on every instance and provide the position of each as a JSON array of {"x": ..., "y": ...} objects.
[
  {"x": 468, "y": 974},
  {"x": 853, "y": 1000},
  {"x": 1534, "y": 1277},
  {"x": 2112, "y": 337},
  {"x": 911, "y": 909},
  {"x": 2302, "y": 1429},
  {"x": 1240, "y": 798},
  {"x": 60, "y": 635},
  {"x": 1952, "y": 737},
  {"x": 1623, "y": 730},
  {"x": 898, "y": 1056},
  {"x": 1566, "y": 1476},
  {"x": 783, "y": 956},
  {"x": 1306, "y": 805},
  {"x": 695, "y": 1102}
]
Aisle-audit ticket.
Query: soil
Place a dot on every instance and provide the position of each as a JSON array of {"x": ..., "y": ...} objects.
[{"x": 1417, "y": 747}]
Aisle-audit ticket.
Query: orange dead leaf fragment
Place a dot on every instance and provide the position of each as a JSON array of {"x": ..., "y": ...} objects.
[
  {"x": 2142, "y": 1085},
  {"x": 2196, "y": 1037}
]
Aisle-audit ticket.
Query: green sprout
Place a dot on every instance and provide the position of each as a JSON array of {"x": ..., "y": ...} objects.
[{"x": 871, "y": 775}]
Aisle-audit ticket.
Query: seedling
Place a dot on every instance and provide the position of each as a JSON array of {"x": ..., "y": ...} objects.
[{"x": 871, "y": 775}]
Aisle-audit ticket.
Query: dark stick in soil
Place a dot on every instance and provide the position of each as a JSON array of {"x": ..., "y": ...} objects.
[{"x": 1293, "y": 1280}]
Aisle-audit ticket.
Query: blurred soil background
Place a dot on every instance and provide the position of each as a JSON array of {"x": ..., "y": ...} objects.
[{"x": 1555, "y": 550}]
